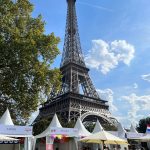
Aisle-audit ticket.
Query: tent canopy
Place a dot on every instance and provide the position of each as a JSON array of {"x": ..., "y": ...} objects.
[
  {"x": 121, "y": 130},
  {"x": 103, "y": 137},
  {"x": 54, "y": 123},
  {"x": 97, "y": 127},
  {"x": 6, "y": 118},
  {"x": 132, "y": 129},
  {"x": 82, "y": 131},
  {"x": 133, "y": 134}
]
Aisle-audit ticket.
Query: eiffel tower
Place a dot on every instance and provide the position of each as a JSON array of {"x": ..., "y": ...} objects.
[{"x": 78, "y": 96}]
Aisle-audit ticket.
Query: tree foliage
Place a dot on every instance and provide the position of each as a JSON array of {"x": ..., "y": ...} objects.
[
  {"x": 26, "y": 55},
  {"x": 143, "y": 124},
  {"x": 41, "y": 126}
]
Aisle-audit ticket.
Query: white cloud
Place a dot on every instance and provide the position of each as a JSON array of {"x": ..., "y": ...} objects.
[
  {"x": 107, "y": 94},
  {"x": 146, "y": 77},
  {"x": 137, "y": 103},
  {"x": 106, "y": 56},
  {"x": 135, "y": 85}
]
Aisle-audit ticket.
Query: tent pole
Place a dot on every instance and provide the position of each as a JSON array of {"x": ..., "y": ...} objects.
[
  {"x": 102, "y": 145},
  {"x": 27, "y": 144},
  {"x": 19, "y": 146}
]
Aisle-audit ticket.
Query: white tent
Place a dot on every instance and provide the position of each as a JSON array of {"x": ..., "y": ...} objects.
[
  {"x": 132, "y": 129},
  {"x": 54, "y": 123},
  {"x": 140, "y": 137},
  {"x": 79, "y": 128},
  {"x": 121, "y": 131},
  {"x": 55, "y": 128},
  {"x": 97, "y": 127},
  {"x": 6, "y": 124},
  {"x": 7, "y": 128},
  {"x": 103, "y": 137},
  {"x": 82, "y": 131},
  {"x": 133, "y": 133},
  {"x": 6, "y": 118}
]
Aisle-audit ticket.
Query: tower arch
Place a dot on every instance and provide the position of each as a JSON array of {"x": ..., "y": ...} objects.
[{"x": 101, "y": 117}]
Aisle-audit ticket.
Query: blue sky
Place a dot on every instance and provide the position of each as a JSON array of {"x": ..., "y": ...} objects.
[{"x": 115, "y": 39}]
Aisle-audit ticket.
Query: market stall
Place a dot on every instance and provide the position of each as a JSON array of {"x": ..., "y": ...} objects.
[
  {"x": 57, "y": 136},
  {"x": 7, "y": 128}
]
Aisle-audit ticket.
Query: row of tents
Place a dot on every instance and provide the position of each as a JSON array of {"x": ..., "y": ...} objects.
[{"x": 76, "y": 134}]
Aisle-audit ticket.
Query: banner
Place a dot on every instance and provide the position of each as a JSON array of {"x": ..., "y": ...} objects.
[
  {"x": 64, "y": 131},
  {"x": 49, "y": 143},
  {"x": 49, "y": 146},
  {"x": 15, "y": 130},
  {"x": 134, "y": 135}
]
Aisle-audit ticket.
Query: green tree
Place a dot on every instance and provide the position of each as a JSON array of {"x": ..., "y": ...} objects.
[
  {"x": 26, "y": 56},
  {"x": 109, "y": 127},
  {"x": 141, "y": 127},
  {"x": 41, "y": 126}
]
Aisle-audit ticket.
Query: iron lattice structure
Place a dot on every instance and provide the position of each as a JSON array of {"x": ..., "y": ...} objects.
[{"x": 78, "y": 96}]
